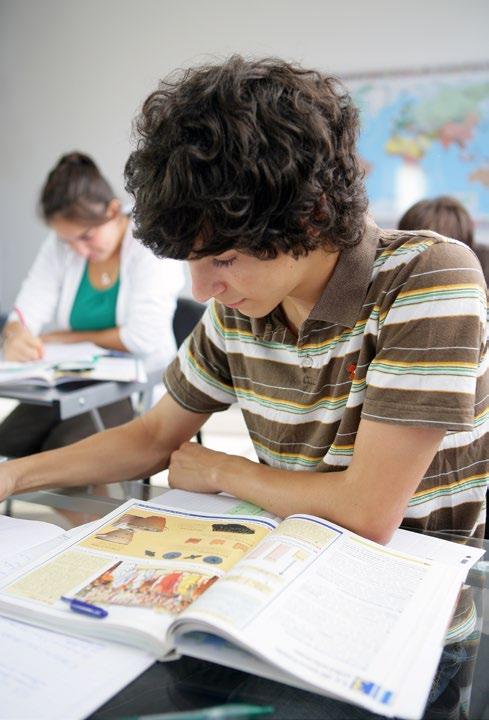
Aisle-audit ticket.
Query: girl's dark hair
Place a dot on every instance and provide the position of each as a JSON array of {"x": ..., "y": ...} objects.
[
  {"x": 444, "y": 215},
  {"x": 258, "y": 156},
  {"x": 76, "y": 190}
]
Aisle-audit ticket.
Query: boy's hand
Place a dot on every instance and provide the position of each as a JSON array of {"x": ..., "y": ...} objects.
[
  {"x": 21, "y": 345},
  {"x": 198, "y": 469}
]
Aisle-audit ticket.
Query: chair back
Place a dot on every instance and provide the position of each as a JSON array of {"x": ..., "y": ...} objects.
[{"x": 187, "y": 314}]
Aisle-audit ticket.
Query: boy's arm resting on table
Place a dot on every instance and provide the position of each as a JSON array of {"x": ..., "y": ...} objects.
[
  {"x": 369, "y": 497},
  {"x": 109, "y": 338},
  {"x": 134, "y": 450}
]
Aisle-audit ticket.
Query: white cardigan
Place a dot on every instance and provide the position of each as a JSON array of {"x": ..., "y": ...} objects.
[{"x": 145, "y": 303}]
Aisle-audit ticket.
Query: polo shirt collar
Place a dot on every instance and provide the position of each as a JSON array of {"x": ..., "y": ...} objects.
[
  {"x": 344, "y": 294},
  {"x": 342, "y": 298}
]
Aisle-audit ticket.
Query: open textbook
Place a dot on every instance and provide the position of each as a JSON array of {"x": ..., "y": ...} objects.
[
  {"x": 48, "y": 675},
  {"x": 75, "y": 362},
  {"x": 301, "y": 601}
]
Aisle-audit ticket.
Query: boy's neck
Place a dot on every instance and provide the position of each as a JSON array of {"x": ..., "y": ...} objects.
[{"x": 319, "y": 266}]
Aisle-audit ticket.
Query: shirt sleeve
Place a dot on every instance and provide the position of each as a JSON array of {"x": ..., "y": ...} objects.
[
  {"x": 151, "y": 288},
  {"x": 39, "y": 294},
  {"x": 430, "y": 363},
  {"x": 199, "y": 378}
]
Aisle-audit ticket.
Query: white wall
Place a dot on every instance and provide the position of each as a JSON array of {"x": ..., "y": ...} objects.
[{"x": 73, "y": 74}]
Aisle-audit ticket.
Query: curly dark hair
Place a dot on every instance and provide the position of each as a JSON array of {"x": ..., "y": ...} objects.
[{"x": 258, "y": 156}]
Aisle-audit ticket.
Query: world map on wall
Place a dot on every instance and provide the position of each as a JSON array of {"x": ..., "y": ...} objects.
[{"x": 422, "y": 136}]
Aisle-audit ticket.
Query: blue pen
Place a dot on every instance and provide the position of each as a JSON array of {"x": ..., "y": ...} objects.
[{"x": 85, "y": 608}]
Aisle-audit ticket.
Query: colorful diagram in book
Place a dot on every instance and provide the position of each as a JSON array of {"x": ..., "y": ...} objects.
[
  {"x": 144, "y": 558},
  {"x": 151, "y": 535}
]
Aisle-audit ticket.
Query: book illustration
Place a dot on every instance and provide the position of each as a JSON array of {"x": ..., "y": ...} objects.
[
  {"x": 160, "y": 589},
  {"x": 232, "y": 528},
  {"x": 152, "y": 535},
  {"x": 239, "y": 546},
  {"x": 367, "y": 687},
  {"x": 119, "y": 536},
  {"x": 151, "y": 523},
  {"x": 127, "y": 525},
  {"x": 243, "y": 507},
  {"x": 278, "y": 553}
]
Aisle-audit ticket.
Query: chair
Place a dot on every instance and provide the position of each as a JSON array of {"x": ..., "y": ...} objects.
[{"x": 187, "y": 315}]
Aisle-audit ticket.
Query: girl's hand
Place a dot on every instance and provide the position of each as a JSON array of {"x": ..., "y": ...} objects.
[{"x": 21, "y": 345}]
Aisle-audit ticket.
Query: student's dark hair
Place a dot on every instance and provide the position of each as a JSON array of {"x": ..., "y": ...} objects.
[
  {"x": 76, "y": 190},
  {"x": 259, "y": 156},
  {"x": 444, "y": 215}
]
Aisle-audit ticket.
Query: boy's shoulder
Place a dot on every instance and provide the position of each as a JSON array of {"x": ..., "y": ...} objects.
[{"x": 422, "y": 248}]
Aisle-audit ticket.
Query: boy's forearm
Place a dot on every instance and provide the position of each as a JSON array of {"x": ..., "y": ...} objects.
[
  {"x": 328, "y": 495},
  {"x": 123, "y": 453}
]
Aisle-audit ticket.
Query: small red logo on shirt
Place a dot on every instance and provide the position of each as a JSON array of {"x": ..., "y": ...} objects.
[{"x": 350, "y": 369}]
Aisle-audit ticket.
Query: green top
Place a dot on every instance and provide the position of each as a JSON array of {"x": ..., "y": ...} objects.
[{"x": 94, "y": 309}]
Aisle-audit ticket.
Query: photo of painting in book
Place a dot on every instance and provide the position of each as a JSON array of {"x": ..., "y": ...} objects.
[{"x": 129, "y": 584}]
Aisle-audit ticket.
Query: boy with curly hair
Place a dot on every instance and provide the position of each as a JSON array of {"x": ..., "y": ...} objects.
[{"x": 357, "y": 355}]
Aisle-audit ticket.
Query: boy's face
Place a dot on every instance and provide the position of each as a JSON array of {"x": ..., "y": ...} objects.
[{"x": 254, "y": 286}]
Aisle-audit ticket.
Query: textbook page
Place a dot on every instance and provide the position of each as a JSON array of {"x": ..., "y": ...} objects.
[
  {"x": 344, "y": 615},
  {"x": 142, "y": 562},
  {"x": 17, "y": 535},
  {"x": 407, "y": 541},
  {"x": 50, "y": 676},
  {"x": 210, "y": 503},
  {"x": 434, "y": 548}
]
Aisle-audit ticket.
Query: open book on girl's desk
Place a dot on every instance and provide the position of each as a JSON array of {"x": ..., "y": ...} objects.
[
  {"x": 70, "y": 363},
  {"x": 300, "y": 601}
]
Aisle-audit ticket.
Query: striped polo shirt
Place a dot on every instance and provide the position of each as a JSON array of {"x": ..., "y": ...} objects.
[{"x": 398, "y": 335}]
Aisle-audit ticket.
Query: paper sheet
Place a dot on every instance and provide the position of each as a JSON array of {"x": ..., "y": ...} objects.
[
  {"x": 17, "y": 535},
  {"x": 61, "y": 352},
  {"x": 47, "y": 675}
]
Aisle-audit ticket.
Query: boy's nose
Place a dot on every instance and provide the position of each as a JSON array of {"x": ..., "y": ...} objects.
[{"x": 204, "y": 286}]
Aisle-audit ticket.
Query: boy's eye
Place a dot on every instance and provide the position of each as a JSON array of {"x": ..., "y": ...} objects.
[{"x": 223, "y": 263}]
